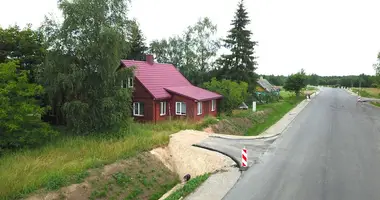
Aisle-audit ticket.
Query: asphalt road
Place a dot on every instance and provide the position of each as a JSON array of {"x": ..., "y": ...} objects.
[{"x": 331, "y": 151}]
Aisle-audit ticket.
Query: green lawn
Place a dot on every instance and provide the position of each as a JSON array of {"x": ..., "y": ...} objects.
[
  {"x": 275, "y": 112},
  {"x": 64, "y": 161}
]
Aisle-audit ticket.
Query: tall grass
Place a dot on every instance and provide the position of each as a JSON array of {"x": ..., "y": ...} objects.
[
  {"x": 368, "y": 92},
  {"x": 59, "y": 163},
  {"x": 286, "y": 94}
]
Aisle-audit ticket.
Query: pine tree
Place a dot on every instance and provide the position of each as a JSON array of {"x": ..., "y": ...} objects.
[
  {"x": 240, "y": 64},
  {"x": 136, "y": 42}
]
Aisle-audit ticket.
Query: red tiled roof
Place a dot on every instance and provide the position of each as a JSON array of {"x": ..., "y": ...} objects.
[
  {"x": 156, "y": 77},
  {"x": 194, "y": 92}
]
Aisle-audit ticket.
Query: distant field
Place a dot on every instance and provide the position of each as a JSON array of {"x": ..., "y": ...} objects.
[
  {"x": 373, "y": 91},
  {"x": 309, "y": 89},
  {"x": 368, "y": 92}
]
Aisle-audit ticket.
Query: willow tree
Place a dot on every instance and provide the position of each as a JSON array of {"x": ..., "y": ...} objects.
[{"x": 81, "y": 73}]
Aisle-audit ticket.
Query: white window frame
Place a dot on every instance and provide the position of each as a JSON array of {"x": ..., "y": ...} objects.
[
  {"x": 124, "y": 84},
  {"x": 199, "y": 108},
  {"x": 130, "y": 82},
  {"x": 162, "y": 108},
  {"x": 213, "y": 105},
  {"x": 138, "y": 104},
  {"x": 179, "y": 105}
]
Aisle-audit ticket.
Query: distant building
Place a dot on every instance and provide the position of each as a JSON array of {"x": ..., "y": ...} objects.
[{"x": 263, "y": 85}]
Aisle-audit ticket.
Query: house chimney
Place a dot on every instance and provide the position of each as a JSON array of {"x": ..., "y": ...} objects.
[{"x": 149, "y": 59}]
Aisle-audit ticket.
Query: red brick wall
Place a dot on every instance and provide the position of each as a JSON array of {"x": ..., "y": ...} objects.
[
  {"x": 158, "y": 109},
  {"x": 206, "y": 110},
  {"x": 140, "y": 94},
  {"x": 190, "y": 107},
  {"x": 140, "y": 91},
  {"x": 215, "y": 112}
]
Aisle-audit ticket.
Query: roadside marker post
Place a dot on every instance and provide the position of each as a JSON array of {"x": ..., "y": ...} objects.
[{"x": 244, "y": 159}]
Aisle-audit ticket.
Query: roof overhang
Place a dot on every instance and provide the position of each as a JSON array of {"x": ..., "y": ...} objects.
[{"x": 196, "y": 99}]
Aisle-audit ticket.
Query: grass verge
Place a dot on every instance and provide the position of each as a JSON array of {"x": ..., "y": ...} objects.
[
  {"x": 368, "y": 92},
  {"x": 277, "y": 111},
  {"x": 66, "y": 160},
  {"x": 376, "y": 104},
  {"x": 188, "y": 188},
  {"x": 246, "y": 122}
]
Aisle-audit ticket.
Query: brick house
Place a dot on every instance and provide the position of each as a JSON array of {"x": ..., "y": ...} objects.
[{"x": 162, "y": 92}]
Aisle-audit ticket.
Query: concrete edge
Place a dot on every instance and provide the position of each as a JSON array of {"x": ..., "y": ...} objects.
[
  {"x": 262, "y": 136},
  {"x": 233, "y": 137},
  {"x": 224, "y": 153}
]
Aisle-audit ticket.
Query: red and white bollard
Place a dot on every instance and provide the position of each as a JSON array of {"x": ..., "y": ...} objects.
[{"x": 244, "y": 159}]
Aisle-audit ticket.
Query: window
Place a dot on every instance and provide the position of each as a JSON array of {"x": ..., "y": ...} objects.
[
  {"x": 213, "y": 105},
  {"x": 127, "y": 83},
  {"x": 199, "y": 106},
  {"x": 180, "y": 108},
  {"x": 162, "y": 108},
  {"x": 130, "y": 82},
  {"x": 138, "y": 109},
  {"x": 123, "y": 84}
]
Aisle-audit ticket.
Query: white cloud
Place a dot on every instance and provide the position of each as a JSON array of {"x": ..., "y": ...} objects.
[{"x": 326, "y": 37}]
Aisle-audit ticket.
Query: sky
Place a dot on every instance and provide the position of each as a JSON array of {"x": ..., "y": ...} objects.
[{"x": 326, "y": 37}]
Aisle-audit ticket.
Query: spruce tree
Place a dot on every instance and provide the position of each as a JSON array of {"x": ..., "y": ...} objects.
[
  {"x": 240, "y": 64},
  {"x": 136, "y": 42}
]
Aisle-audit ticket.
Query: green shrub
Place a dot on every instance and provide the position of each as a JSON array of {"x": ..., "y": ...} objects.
[
  {"x": 20, "y": 114},
  {"x": 296, "y": 82},
  {"x": 233, "y": 93}
]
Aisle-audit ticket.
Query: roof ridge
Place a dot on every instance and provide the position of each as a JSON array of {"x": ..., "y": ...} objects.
[{"x": 146, "y": 62}]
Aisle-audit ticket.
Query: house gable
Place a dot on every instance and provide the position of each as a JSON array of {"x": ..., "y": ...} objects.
[{"x": 140, "y": 91}]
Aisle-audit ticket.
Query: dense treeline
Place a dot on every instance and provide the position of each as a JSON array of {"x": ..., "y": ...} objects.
[{"x": 361, "y": 80}]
